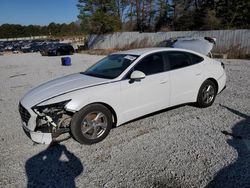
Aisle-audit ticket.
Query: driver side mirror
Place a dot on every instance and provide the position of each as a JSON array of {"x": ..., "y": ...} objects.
[{"x": 137, "y": 76}]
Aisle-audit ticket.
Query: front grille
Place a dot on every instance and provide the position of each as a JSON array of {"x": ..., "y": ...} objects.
[{"x": 25, "y": 115}]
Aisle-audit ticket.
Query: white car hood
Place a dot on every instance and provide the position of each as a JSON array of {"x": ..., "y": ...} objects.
[{"x": 59, "y": 86}]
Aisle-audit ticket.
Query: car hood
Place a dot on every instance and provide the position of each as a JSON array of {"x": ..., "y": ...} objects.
[{"x": 59, "y": 86}]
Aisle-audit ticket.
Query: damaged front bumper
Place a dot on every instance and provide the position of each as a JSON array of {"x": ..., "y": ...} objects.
[
  {"x": 43, "y": 127},
  {"x": 38, "y": 137}
]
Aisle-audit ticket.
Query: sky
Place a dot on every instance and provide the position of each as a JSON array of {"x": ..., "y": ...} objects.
[{"x": 37, "y": 12}]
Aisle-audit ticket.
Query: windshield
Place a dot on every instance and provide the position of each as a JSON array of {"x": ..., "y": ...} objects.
[{"x": 111, "y": 66}]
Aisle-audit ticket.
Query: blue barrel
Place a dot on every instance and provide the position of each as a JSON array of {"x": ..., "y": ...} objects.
[{"x": 66, "y": 61}]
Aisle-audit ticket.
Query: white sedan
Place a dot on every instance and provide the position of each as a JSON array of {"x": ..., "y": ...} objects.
[{"x": 119, "y": 88}]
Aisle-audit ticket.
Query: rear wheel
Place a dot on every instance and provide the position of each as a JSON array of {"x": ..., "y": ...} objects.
[
  {"x": 91, "y": 124},
  {"x": 58, "y": 53},
  {"x": 207, "y": 94}
]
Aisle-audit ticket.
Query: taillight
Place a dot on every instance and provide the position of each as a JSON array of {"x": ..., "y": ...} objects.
[{"x": 223, "y": 65}]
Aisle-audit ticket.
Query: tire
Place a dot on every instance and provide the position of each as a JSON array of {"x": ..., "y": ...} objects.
[
  {"x": 207, "y": 94},
  {"x": 91, "y": 124},
  {"x": 70, "y": 53},
  {"x": 58, "y": 53}
]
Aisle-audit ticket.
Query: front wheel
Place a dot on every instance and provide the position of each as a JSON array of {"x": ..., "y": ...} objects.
[
  {"x": 207, "y": 94},
  {"x": 91, "y": 124}
]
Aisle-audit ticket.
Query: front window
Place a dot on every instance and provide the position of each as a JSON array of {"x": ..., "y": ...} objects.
[
  {"x": 111, "y": 66},
  {"x": 151, "y": 64}
]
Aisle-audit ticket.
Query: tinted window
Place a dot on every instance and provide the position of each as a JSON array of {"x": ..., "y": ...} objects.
[
  {"x": 151, "y": 64},
  {"x": 178, "y": 60},
  {"x": 195, "y": 58}
]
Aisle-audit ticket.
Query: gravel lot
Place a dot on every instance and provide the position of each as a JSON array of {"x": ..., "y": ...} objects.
[{"x": 179, "y": 147}]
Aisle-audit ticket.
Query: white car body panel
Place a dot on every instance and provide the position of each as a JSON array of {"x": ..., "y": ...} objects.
[
  {"x": 197, "y": 44},
  {"x": 146, "y": 96},
  {"x": 186, "y": 90},
  {"x": 59, "y": 86},
  {"x": 202, "y": 45},
  {"x": 127, "y": 100}
]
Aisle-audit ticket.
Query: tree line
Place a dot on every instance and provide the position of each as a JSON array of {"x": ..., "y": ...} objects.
[
  {"x": 53, "y": 30},
  {"x": 104, "y": 16}
]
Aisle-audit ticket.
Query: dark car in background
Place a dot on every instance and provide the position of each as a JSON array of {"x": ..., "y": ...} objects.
[{"x": 57, "y": 50}]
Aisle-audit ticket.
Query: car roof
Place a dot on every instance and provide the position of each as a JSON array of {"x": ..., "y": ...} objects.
[{"x": 141, "y": 51}]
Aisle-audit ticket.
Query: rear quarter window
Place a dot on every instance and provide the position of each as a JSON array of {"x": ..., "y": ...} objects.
[
  {"x": 178, "y": 59},
  {"x": 195, "y": 58}
]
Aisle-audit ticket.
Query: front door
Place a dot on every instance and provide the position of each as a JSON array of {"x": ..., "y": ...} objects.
[{"x": 150, "y": 94}]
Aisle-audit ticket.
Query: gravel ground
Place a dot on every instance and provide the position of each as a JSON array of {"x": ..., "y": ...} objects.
[{"x": 179, "y": 147}]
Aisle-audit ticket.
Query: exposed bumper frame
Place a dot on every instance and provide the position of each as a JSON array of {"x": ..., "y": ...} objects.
[{"x": 38, "y": 137}]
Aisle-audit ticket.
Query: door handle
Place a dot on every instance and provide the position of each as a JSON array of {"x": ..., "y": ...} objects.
[{"x": 197, "y": 74}]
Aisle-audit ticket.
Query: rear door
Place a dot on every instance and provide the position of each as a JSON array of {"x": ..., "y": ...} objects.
[
  {"x": 186, "y": 76},
  {"x": 149, "y": 94}
]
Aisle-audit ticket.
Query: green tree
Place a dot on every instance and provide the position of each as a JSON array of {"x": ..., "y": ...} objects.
[
  {"x": 211, "y": 21},
  {"x": 234, "y": 13},
  {"x": 99, "y": 16},
  {"x": 163, "y": 15},
  {"x": 53, "y": 29}
]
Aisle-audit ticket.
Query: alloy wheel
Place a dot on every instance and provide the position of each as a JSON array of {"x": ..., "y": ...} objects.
[
  {"x": 94, "y": 125},
  {"x": 208, "y": 94}
]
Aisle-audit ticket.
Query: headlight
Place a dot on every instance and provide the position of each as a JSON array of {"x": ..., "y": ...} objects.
[{"x": 51, "y": 108}]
